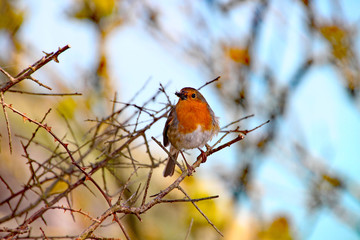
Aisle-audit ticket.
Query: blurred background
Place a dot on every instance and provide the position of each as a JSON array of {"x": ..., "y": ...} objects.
[{"x": 295, "y": 62}]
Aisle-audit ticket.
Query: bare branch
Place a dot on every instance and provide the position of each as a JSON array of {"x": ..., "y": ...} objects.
[
  {"x": 26, "y": 73},
  {"x": 6, "y": 120},
  {"x": 201, "y": 212},
  {"x": 207, "y": 83},
  {"x": 45, "y": 94}
]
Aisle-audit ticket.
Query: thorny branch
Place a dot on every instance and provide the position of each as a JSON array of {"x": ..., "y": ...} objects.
[
  {"x": 27, "y": 72},
  {"x": 109, "y": 146}
]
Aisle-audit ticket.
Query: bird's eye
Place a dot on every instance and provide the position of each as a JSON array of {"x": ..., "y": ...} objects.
[{"x": 193, "y": 95}]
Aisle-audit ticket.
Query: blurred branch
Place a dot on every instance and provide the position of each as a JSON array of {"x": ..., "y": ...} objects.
[{"x": 45, "y": 94}]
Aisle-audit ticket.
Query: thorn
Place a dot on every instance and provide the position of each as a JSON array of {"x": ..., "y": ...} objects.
[
  {"x": 138, "y": 216},
  {"x": 47, "y": 54},
  {"x": 25, "y": 118},
  {"x": 48, "y": 128}
]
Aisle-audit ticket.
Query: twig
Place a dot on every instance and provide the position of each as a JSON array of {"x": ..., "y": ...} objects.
[
  {"x": 11, "y": 78},
  {"x": 188, "y": 200},
  {"x": 251, "y": 130},
  {"x": 39, "y": 83},
  {"x": 228, "y": 144},
  {"x": 207, "y": 83},
  {"x": 167, "y": 152},
  {"x": 201, "y": 212},
  {"x": 14, "y": 231},
  {"x": 7, "y": 185},
  {"x": 6, "y": 121},
  {"x": 121, "y": 227},
  {"x": 140, "y": 90},
  {"x": 74, "y": 211},
  {"x": 37, "y": 129},
  {"x": 238, "y": 120},
  {"x": 26, "y": 73},
  {"x": 189, "y": 229},
  {"x": 238, "y": 138},
  {"x": 162, "y": 89},
  {"x": 43, "y": 234},
  {"x": 147, "y": 186},
  {"x": 45, "y": 94}
]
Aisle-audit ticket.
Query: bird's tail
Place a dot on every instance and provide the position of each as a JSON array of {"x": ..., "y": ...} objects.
[{"x": 170, "y": 166}]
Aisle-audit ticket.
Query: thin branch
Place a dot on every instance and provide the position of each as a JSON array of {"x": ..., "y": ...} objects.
[
  {"x": 45, "y": 94},
  {"x": 251, "y": 130},
  {"x": 238, "y": 120},
  {"x": 167, "y": 152},
  {"x": 6, "y": 121},
  {"x": 162, "y": 89},
  {"x": 147, "y": 186},
  {"x": 189, "y": 229},
  {"x": 121, "y": 227},
  {"x": 26, "y": 73},
  {"x": 238, "y": 138},
  {"x": 11, "y": 78},
  {"x": 201, "y": 212},
  {"x": 207, "y": 83},
  {"x": 74, "y": 211},
  {"x": 188, "y": 200},
  {"x": 39, "y": 83},
  {"x": 37, "y": 129}
]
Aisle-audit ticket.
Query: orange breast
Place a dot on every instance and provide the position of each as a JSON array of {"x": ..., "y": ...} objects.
[{"x": 191, "y": 114}]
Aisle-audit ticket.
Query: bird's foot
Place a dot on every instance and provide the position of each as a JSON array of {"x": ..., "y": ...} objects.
[{"x": 203, "y": 155}]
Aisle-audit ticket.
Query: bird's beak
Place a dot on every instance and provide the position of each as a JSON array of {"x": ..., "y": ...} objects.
[{"x": 181, "y": 95}]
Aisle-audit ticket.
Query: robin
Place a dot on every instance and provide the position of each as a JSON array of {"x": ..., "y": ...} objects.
[{"x": 191, "y": 124}]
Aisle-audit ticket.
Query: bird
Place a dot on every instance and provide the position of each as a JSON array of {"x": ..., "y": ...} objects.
[{"x": 191, "y": 123}]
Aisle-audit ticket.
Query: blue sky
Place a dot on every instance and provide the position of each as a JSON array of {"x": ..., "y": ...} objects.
[{"x": 326, "y": 122}]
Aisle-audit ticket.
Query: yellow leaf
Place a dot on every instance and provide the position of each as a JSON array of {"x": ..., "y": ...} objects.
[
  {"x": 67, "y": 107},
  {"x": 278, "y": 229},
  {"x": 239, "y": 55},
  {"x": 11, "y": 18},
  {"x": 105, "y": 8},
  {"x": 59, "y": 187},
  {"x": 95, "y": 10},
  {"x": 333, "y": 181},
  {"x": 338, "y": 37}
]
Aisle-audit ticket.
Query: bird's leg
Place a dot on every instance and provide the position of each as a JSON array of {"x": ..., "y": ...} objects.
[
  {"x": 203, "y": 154},
  {"x": 207, "y": 147},
  {"x": 189, "y": 167}
]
